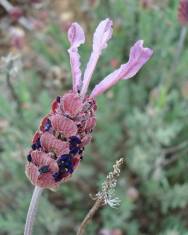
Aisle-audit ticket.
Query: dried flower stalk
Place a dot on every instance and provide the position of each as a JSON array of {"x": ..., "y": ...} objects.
[{"x": 105, "y": 196}]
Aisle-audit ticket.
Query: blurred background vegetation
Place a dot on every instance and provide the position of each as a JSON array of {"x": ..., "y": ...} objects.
[{"x": 144, "y": 120}]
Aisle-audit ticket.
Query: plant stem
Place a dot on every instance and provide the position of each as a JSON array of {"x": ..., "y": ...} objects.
[
  {"x": 89, "y": 216},
  {"x": 31, "y": 214},
  {"x": 179, "y": 49},
  {"x": 180, "y": 45},
  {"x": 13, "y": 93},
  {"x": 22, "y": 20}
]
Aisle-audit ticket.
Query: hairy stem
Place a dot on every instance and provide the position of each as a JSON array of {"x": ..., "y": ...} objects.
[
  {"x": 89, "y": 216},
  {"x": 32, "y": 210}
]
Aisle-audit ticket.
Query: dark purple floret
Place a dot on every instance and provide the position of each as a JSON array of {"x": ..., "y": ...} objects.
[
  {"x": 36, "y": 145},
  {"x": 29, "y": 158},
  {"x": 58, "y": 99},
  {"x": 63, "y": 158},
  {"x": 74, "y": 140},
  {"x": 65, "y": 163},
  {"x": 74, "y": 150},
  {"x": 81, "y": 150},
  {"x": 33, "y": 146},
  {"x": 44, "y": 169},
  {"x": 48, "y": 125},
  {"x": 57, "y": 176}
]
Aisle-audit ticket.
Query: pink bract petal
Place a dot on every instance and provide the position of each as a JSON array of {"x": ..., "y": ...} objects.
[
  {"x": 46, "y": 181},
  {"x": 63, "y": 125},
  {"x": 100, "y": 39},
  {"x": 138, "y": 57},
  {"x": 35, "y": 137},
  {"x": 43, "y": 122},
  {"x": 51, "y": 144},
  {"x": 76, "y": 37},
  {"x": 86, "y": 140},
  {"x": 71, "y": 104},
  {"x": 42, "y": 180},
  {"x": 54, "y": 106},
  {"x": 90, "y": 124},
  {"x": 40, "y": 158},
  {"x": 32, "y": 172}
]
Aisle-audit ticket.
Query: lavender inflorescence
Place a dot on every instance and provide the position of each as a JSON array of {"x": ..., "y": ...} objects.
[{"x": 58, "y": 145}]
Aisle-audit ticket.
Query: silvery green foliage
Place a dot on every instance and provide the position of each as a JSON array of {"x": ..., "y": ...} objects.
[{"x": 141, "y": 120}]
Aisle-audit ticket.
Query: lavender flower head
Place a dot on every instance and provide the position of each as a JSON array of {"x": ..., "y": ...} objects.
[{"x": 58, "y": 144}]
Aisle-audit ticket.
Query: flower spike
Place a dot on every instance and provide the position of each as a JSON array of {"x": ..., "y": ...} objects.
[
  {"x": 138, "y": 57},
  {"x": 101, "y": 37},
  {"x": 58, "y": 145},
  {"x": 76, "y": 37}
]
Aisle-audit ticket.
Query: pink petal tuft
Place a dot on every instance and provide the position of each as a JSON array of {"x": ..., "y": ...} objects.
[
  {"x": 76, "y": 37},
  {"x": 138, "y": 57},
  {"x": 100, "y": 39}
]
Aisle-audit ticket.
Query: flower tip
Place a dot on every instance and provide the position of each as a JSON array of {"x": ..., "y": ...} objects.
[
  {"x": 139, "y": 50},
  {"x": 102, "y": 35},
  {"x": 149, "y": 52},
  {"x": 140, "y": 43},
  {"x": 108, "y": 22},
  {"x": 139, "y": 55},
  {"x": 76, "y": 35}
]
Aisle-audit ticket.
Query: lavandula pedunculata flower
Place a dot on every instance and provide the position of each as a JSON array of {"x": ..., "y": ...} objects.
[{"x": 59, "y": 142}]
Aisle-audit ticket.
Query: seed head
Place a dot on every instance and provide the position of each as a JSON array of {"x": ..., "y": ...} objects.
[{"x": 108, "y": 187}]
